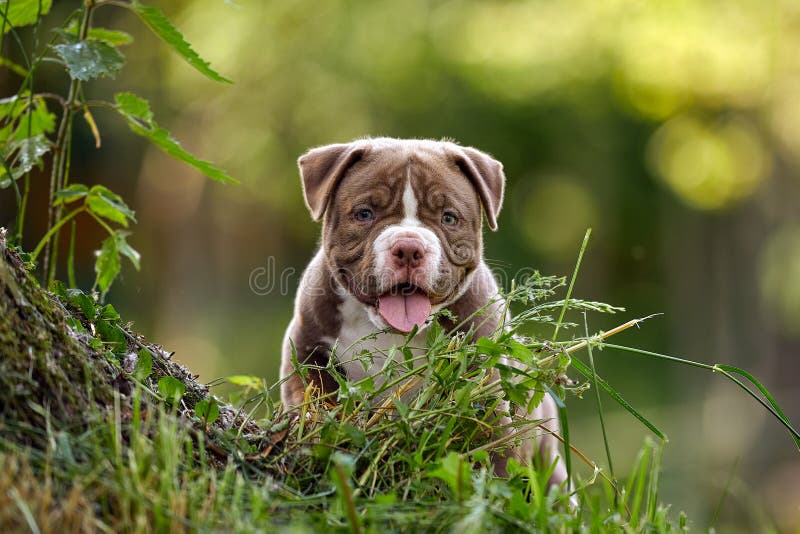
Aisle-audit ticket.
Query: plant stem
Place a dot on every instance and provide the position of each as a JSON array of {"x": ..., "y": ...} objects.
[
  {"x": 71, "y": 258},
  {"x": 600, "y": 409},
  {"x": 572, "y": 281},
  {"x": 60, "y": 156},
  {"x": 53, "y": 230}
]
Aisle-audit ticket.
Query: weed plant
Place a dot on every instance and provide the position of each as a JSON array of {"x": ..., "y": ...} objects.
[{"x": 102, "y": 431}]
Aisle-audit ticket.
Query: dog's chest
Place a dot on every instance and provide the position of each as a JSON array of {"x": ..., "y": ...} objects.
[{"x": 363, "y": 350}]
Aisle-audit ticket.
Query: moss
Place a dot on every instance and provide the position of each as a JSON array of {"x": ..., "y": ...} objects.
[{"x": 51, "y": 377}]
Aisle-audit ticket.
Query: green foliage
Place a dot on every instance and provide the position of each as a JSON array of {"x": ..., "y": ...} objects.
[
  {"x": 162, "y": 27},
  {"x": 207, "y": 410},
  {"x": 23, "y": 141},
  {"x": 171, "y": 389},
  {"x": 90, "y": 58},
  {"x": 17, "y": 13},
  {"x": 417, "y": 459},
  {"x": 26, "y": 127},
  {"x": 144, "y": 365},
  {"x": 136, "y": 111}
]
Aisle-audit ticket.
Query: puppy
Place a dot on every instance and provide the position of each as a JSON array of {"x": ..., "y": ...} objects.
[{"x": 401, "y": 239}]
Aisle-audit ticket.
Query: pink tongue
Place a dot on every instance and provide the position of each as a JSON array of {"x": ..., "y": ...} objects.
[{"x": 402, "y": 312}]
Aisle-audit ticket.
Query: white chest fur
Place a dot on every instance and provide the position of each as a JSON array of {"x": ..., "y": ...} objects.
[{"x": 360, "y": 333}]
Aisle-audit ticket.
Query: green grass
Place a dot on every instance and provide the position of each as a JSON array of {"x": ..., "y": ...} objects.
[{"x": 126, "y": 441}]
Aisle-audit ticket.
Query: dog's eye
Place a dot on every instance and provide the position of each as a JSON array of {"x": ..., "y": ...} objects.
[
  {"x": 449, "y": 218},
  {"x": 364, "y": 215}
]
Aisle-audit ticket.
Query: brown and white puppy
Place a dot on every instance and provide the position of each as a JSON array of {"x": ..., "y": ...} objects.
[{"x": 401, "y": 239}]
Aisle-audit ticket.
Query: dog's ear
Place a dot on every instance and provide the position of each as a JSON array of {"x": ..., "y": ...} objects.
[
  {"x": 487, "y": 177},
  {"x": 321, "y": 169}
]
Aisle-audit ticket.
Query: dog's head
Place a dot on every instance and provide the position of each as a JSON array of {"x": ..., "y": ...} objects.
[{"x": 402, "y": 221}]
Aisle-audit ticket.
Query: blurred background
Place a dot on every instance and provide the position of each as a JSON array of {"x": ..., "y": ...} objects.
[{"x": 670, "y": 128}]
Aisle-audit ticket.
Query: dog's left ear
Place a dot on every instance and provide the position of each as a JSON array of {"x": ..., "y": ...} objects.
[
  {"x": 487, "y": 177},
  {"x": 321, "y": 169}
]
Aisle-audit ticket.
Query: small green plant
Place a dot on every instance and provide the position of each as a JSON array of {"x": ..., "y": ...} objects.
[
  {"x": 410, "y": 454},
  {"x": 33, "y": 135}
]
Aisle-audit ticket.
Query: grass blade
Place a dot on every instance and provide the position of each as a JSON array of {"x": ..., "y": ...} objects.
[
  {"x": 599, "y": 404},
  {"x": 572, "y": 281},
  {"x": 726, "y": 370},
  {"x": 584, "y": 369}
]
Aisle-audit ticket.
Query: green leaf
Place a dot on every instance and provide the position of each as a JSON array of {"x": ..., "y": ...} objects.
[
  {"x": 586, "y": 371},
  {"x": 207, "y": 410},
  {"x": 71, "y": 194},
  {"x": 107, "y": 265},
  {"x": 113, "y": 338},
  {"x": 130, "y": 104},
  {"x": 109, "y": 205},
  {"x": 109, "y": 313},
  {"x": 31, "y": 151},
  {"x": 136, "y": 112},
  {"x": 126, "y": 250},
  {"x": 23, "y": 156},
  {"x": 23, "y": 12},
  {"x": 90, "y": 59},
  {"x": 144, "y": 365},
  {"x": 163, "y": 28},
  {"x": 58, "y": 288},
  {"x": 38, "y": 121},
  {"x": 82, "y": 301},
  {"x": 776, "y": 409},
  {"x": 112, "y": 37},
  {"x": 249, "y": 382},
  {"x": 20, "y": 122},
  {"x": 172, "y": 388},
  {"x": 456, "y": 474}
]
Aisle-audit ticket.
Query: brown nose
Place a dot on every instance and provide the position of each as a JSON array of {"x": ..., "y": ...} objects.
[{"x": 408, "y": 252}]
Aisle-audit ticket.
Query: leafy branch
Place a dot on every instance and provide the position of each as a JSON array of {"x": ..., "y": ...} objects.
[{"x": 29, "y": 137}]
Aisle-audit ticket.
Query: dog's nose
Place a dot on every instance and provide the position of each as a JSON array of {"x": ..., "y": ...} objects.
[{"x": 408, "y": 252}]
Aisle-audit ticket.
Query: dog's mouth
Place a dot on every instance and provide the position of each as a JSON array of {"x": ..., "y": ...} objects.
[{"x": 404, "y": 306}]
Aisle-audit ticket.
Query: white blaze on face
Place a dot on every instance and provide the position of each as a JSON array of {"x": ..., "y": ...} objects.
[
  {"x": 411, "y": 227},
  {"x": 409, "y": 205},
  {"x": 404, "y": 311}
]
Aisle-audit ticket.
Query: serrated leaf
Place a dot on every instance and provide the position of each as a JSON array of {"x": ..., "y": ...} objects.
[
  {"x": 136, "y": 112},
  {"x": 106, "y": 267},
  {"x": 23, "y": 156},
  {"x": 90, "y": 59},
  {"x": 23, "y": 12},
  {"x": 38, "y": 121},
  {"x": 172, "y": 388},
  {"x": 31, "y": 151},
  {"x": 207, "y": 410},
  {"x": 20, "y": 122},
  {"x": 132, "y": 105},
  {"x": 71, "y": 194},
  {"x": 105, "y": 203},
  {"x": 144, "y": 365},
  {"x": 112, "y": 37},
  {"x": 82, "y": 301},
  {"x": 163, "y": 28},
  {"x": 126, "y": 250}
]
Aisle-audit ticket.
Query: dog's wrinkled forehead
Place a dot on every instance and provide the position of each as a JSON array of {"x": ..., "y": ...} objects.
[{"x": 391, "y": 160}]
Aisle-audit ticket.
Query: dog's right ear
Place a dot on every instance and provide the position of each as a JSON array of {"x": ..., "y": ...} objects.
[{"x": 322, "y": 168}]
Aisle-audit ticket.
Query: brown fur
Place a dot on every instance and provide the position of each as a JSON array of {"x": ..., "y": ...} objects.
[{"x": 338, "y": 181}]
